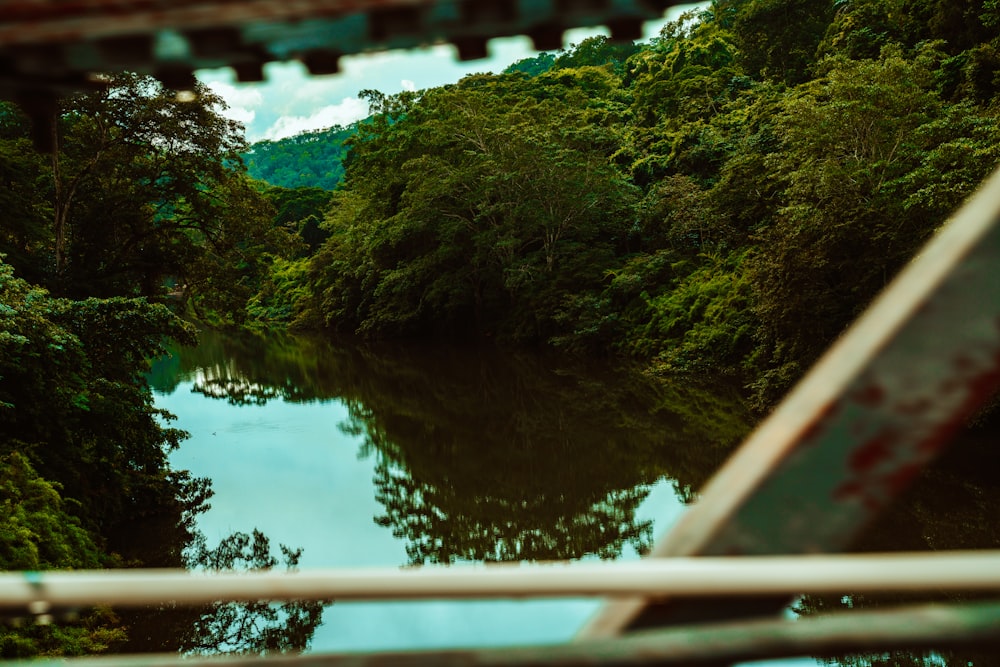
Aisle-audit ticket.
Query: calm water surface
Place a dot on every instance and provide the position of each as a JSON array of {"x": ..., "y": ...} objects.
[
  {"x": 421, "y": 454},
  {"x": 389, "y": 456}
]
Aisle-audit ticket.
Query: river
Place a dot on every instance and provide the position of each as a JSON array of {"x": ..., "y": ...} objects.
[{"x": 363, "y": 455}]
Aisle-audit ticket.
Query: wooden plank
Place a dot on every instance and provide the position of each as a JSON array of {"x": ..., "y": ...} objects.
[{"x": 874, "y": 411}]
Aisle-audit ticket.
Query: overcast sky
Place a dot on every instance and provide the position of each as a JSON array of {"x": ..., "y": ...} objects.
[{"x": 291, "y": 101}]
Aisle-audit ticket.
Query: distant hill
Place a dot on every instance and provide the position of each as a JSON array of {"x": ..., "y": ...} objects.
[
  {"x": 315, "y": 159},
  {"x": 310, "y": 159}
]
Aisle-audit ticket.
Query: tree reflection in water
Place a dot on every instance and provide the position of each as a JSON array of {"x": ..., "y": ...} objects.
[
  {"x": 484, "y": 454},
  {"x": 487, "y": 455},
  {"x": 246, "y": 628},
  {"x": 257, "y": 628}
]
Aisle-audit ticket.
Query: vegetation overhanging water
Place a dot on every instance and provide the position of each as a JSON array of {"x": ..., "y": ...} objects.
[{"x": 466, "y": 455}]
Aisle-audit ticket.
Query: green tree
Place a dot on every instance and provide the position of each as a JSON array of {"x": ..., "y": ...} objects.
[
  {"x": 777, "y": 39},
  {"x": 230, "y": 259},
  {"x": 142, "y": 189},
  {"x": 307, "y": 160},
  {"x": 872, "y": 161},
  {"x": 300, "y": 210},
  {"x": 73, "y": 400},
  {"x": 861, "y": 29},
  {"x": 475, "y": 207},
  {"x": 98, "y": 631},
  {"x": 596, "y": 51},
  {"x": 534, "y": 65},
  {"x": 25, "y": 235},
  {"x": 678, "y": 88},
  {"x": 36, "y": 532},
  {"x": 134, "y": 178}
]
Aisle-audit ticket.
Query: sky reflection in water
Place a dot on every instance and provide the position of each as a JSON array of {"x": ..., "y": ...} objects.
[
  {"x": 286, "y": 469},
  {"x": 290, "y": 470}
]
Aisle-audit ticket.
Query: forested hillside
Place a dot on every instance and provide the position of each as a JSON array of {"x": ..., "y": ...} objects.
[
  {"x": 727, "y": 198},
  {"x": 310, "y": 159},
  {"x": 316, "y": 159}
]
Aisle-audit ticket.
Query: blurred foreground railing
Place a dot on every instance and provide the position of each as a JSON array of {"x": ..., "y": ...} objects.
[
  {"x": 917, "y": 627},
  {"x": 924, "y": 626},
  {"x": 37, "y": 593}
]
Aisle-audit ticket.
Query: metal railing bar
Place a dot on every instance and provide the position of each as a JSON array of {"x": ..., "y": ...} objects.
[
  {"x": 864, "y": 421},
  {"x": 914, "y": 627},
  {"x": 36, "y": 592}
]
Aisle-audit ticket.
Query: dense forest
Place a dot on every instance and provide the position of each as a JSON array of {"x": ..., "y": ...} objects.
[
  {"x": 724, "y": 199},
  {"x": 315, "y": 159},
  {"x": 311, "y": 159},
  {"x": 141, "y": 215}
]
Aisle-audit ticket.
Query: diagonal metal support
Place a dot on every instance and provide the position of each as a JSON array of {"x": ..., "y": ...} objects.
[{"x": 881, "y": 403}]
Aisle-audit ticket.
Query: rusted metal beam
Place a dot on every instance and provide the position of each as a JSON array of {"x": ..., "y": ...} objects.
[
  {"x": 35, "y": 21},
  {"x": 53, "y": 48},
  {"x": 874, "y": 411}
]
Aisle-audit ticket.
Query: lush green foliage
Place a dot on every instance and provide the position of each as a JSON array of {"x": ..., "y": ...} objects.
[
  {"x": 726, "y": 198},
  {"x": 144, "y": 195},
  {"x": 469, "y": 208},
  {"x": 74, "y": 408},
  {"x": 98, "y": 631},
  {"x": 306, "y": 160},
  {"x": 144, "y": 192},
  {"x": 35, "y": 531},
  {"x": 300, "y": 211},
  {"x": 74, "y": 402},
  {"x": 729, "y": 196}
]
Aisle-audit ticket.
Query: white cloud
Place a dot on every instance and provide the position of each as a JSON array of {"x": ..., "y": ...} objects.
[
  {"x": 346, "y": 111},
  {"x": 243, "y": 102},
  {"x": 406, "y": 84},
  {"x": 240, "y": 114}
]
